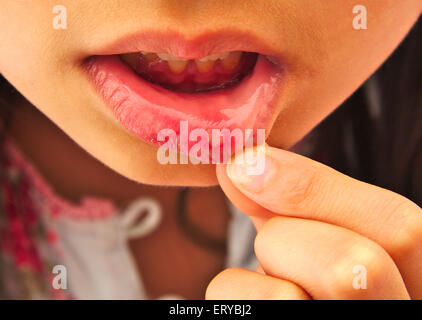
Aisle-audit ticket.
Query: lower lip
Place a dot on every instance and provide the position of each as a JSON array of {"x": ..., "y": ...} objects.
[{"x": 144, "y": 109}]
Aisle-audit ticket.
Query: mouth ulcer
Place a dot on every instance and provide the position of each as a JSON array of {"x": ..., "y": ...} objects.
[{"x": 213, "y": 72}]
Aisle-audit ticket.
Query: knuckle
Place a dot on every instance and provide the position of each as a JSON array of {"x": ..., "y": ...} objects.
[
  {"x": 265, "y": 234},
  {"x": 285, "y": 290},
  {"x": 407, "y": 237},
  {"x": 366, "y": 259},
  {"x": 213, "y": 290},
  {"x": 299, "y": 190},
  {"x": 224, "y": 275}
]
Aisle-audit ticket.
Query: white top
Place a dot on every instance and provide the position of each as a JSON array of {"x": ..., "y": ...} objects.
[{"x": 100, "y": 265}]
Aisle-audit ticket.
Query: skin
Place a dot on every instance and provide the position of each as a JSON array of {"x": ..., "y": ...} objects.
[
  {"x": 312, "y": 233},
  {"x": 325, "y": 59}
]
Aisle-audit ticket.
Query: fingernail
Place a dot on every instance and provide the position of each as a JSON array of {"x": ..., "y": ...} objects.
[{"x": 253, "y": 173}]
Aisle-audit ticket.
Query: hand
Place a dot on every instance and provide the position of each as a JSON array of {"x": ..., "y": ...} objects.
[{"x": 317, "y": 231}]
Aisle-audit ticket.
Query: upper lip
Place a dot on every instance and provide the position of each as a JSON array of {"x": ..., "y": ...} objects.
[{"x": 192, "y": 47}]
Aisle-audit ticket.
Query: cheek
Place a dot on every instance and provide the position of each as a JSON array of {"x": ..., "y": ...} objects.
[
  {"x": 28, "y": 45},
  {"x": 339, "y": 63}
]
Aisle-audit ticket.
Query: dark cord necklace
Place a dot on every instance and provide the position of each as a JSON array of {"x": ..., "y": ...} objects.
[{"x": 195, "y": 234}]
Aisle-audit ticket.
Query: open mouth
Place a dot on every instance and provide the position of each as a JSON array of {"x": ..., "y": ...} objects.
[
  {"x": 154, "y": 89},
  {"x": 213, "y": 72}
]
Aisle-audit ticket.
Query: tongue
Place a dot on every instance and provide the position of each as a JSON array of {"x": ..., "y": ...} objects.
[{"x": 190, "y": 79}]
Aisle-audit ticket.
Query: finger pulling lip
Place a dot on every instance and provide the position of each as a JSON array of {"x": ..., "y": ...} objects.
[{"x": 145, "y": 109}]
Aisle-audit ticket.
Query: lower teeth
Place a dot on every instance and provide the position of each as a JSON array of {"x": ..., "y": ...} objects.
[{"x": 189, "y": 75}]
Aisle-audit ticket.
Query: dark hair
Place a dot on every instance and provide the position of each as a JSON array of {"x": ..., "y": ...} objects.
[
  {"x": 8, "y": 98},
  {"x": 376, "y": 135}
]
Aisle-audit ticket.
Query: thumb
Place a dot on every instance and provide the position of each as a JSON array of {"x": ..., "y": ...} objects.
[{"x": 257, "y": 213}]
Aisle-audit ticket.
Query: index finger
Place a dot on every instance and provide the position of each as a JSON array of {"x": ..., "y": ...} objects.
[{"x": 295, "y": 186}]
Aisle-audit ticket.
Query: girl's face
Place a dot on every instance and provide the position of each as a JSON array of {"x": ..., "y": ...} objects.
[{"x": 318, "y": 57}]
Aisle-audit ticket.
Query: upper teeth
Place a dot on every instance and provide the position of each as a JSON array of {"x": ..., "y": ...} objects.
[
  {"x": 168, "y": 57},
  {"x": 215, "y": 57},
  {"x": 229, "y": 60},
  {"x": 211, "y": 57}
]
